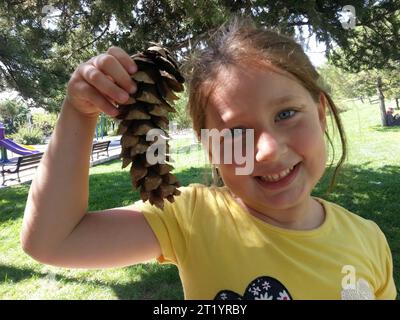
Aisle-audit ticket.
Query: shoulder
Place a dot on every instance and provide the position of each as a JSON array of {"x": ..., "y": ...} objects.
[
  {"x": 199, "y": 193},
  {"x": 344, "y": 215},
  {"x": 346, "y": 221},
  {"x": 193, "y": 197},
  {"x": 202, "y": 193},
  {"x": 365, "y": 238}
]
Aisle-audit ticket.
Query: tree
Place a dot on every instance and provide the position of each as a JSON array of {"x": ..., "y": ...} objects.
[
  {"x": 382, "y": 83},
  {"x": 391, "y": 84},
  {"x": 37, "y": 57},
  {"x": 373, "y": 44},
  {"x": 13, "y": 114},
  {"x": 25, "y": 61},
  {"x": 344, "y": 84}
]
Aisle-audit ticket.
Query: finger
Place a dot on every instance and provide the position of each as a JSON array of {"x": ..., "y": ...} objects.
[
  {"x": 97, "y": 100},
  {"x": 101, "y": 82},
  {"x": 123, "y": 58},
  {"x": 110, "y": 66}
]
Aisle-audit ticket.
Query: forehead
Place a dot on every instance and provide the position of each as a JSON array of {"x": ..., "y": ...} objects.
[{"x": 236, "y": 89}]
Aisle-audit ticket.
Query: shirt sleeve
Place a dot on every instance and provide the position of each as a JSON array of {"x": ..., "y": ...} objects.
[
  {"x": 172, "y": 225},
  {"x": 387, "y": 290}
]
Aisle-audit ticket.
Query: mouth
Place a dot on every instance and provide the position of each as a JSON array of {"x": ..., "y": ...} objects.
[{"x": 280, "y": 180}]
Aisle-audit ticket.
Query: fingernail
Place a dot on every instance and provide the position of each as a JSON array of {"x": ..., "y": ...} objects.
[
  {"x": 116, "y": 112},
  {"x": 132, "y": 69},
  {"x": 132, "y": 89},
  {"x": 123, "y": 96}
]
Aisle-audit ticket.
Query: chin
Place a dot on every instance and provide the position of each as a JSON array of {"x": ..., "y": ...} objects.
[
  {"x": 285, "y": 199},
  {"x": 255, "y": 196}
]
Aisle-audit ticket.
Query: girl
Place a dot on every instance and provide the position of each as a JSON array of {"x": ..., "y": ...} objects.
[{"x": 262, "y": 235}]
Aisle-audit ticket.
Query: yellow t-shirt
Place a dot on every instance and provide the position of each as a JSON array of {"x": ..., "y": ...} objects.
[{"x": 223, "y": 252}]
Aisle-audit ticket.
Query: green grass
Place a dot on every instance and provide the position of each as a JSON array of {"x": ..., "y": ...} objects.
[{"x": 368, "y": 186}]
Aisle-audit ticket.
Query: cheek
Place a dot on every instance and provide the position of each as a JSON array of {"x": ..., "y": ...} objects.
[
  {"x": 309, "y": 142},
  {"x": 231, "y": 179},
  {"x": 232, "y": 153}
]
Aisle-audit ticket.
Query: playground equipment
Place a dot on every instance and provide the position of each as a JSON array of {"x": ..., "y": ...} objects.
[
  {"x": 8, "y": 144},
  {"x": 100, "y": 126}
]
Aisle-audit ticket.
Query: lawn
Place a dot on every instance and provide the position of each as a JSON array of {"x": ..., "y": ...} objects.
[{"x": 368, "y": 186}]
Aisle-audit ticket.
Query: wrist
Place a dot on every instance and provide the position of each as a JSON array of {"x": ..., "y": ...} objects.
[{"x": 69, "y": 105}]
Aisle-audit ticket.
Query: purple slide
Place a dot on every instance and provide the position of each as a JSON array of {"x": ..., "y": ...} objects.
[
  {"x": 16, "y": 148},
  {"x": 7, "y": 144}
]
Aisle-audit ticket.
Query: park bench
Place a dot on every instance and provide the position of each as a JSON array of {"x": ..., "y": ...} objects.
[
  {"x": 22, "y": 163},
  {"x": 100, "y": 147}
]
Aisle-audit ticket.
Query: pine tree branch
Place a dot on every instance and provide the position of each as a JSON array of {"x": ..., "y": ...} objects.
[{"x": 91, "y": 42}]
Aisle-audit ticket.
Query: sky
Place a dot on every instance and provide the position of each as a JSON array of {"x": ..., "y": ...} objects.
[
  {"x": 316, "y": 53},
  {"x": 315, "y": 50}
]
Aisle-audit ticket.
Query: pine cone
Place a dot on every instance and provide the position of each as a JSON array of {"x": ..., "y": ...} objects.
[{"x": 157, "y": 78}]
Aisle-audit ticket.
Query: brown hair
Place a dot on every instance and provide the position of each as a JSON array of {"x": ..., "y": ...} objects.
[{"x": 240, "y": 42}]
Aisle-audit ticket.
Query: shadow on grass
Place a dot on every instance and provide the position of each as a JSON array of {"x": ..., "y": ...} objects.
[
  {"x": 386, "y": 129},
  {"x": 155, "y": 281},
  {"x": 373, "y": 194},
  {"x": 108, "y": 190},
  {"x": 12, "y": 202},
  {"x": 14, "y": 274},
  {"x": 370, "y": 193}
]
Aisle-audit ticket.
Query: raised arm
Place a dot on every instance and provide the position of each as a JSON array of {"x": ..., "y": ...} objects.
[{"x": 57, "y": 229}]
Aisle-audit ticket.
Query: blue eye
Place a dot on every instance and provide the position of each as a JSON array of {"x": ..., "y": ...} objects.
[{"x": 287, "y": 114}]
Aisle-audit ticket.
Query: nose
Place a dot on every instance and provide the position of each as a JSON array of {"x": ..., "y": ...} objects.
[{"x": 268, "y": 148}]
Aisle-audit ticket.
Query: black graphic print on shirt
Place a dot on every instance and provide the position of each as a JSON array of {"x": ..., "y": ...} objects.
[{"x": 261, "y": 288}]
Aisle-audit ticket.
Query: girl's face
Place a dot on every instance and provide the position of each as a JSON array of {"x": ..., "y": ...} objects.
[{"x": 289, "y": 147}]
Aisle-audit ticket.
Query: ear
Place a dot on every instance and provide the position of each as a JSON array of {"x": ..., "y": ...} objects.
[{"x": 323, "y": 102}]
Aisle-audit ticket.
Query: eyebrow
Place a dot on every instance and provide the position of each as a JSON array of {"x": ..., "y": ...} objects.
[
  {"x": 283, "y": 100},
  {"x": 273, "y": 103}
]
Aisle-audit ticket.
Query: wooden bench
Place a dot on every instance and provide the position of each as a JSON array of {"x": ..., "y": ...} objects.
[
  {"x": 100, "y": 147},
  {"x": 23, "y": 163}
]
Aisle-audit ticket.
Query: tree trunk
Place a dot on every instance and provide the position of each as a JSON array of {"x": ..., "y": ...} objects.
[
  {"x": 382, "y": 101},
  {"x": 397, "y": 103}
]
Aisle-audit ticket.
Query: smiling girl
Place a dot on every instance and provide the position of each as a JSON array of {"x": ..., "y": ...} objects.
[{"x": 261, "y": 235}]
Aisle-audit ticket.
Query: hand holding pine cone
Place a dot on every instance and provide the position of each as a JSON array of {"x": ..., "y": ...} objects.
[{"x": 157, "y": 78}]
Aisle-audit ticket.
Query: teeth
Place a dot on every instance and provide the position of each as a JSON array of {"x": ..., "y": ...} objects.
[{"x": 276, "y": 177}]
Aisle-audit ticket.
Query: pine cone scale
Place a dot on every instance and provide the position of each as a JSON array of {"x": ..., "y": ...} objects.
[{"x": 158, "y": 78}]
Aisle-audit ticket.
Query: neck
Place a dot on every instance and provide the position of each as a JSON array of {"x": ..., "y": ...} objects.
[{"x": 307, "y": 215}]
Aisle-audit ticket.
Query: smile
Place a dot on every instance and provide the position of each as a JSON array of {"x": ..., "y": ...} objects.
[
  {"x": 278, "y": 176},
  {"x": 279, "y": 180}
]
